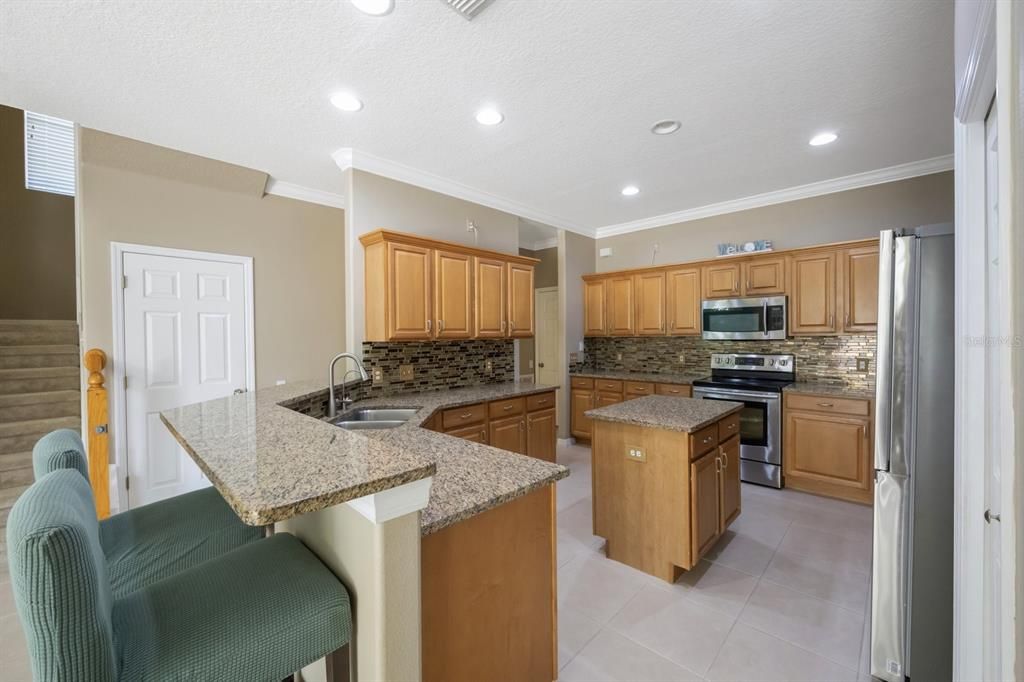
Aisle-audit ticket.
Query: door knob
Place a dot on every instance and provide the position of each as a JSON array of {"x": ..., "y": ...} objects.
[
  {"x": 990, "y": 517},
  {"x": 541, "y": 365}
]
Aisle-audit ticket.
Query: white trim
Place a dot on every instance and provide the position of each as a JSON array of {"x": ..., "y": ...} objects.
[
  {"x": 118, "y": 403},
  {"x": 540, "y": 244},
  {"x": 314, "y": 196},
  {"x": 347, "y": 158},
  {"x": 394, "y": 502},
  {"x": 567, "y": 441},
  {"x": 876, "y": 177},
  {"x": 974, "y": 91}
]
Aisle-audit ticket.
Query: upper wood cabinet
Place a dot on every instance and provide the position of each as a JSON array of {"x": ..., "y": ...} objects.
[
  {"x": 649, "y": 288},
  {"x": 764, "y": 276},
  {"x": 620, "y": 306},
  {"x": 812, "y": 293},
  {"x": 491, "y": 300},
  {"x": 594, "y": 319},
  {"x": 421, "y": 289},
  {"x": 683, "y": 301},
  {"x": 722, "y": 280},
  {"x": 859, "y": 277},
  {"x": 520, "y": 300},
  {"x": 453, "y": 295}
]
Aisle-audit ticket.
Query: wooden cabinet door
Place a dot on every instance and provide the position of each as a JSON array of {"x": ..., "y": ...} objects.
[
  {"x": 764, "y": 276},
  {"x": 704, "y": 505},
  {"x": 581, "y": 400},
  {"x": 812, "y": 296},
  {"x": 520, "y": 300},
  {"x": 594, "y": 321},
  {"x": 620, "y": 306},
  {"x": 409, "y": 292},
  {"x": 828, "y": 454},
  {"x": 729, "y": 451},
  {"x": 603, "y": 399},
  {"x": 860, "y": 289},
  {"x": 721, "y": 281},
  {"x": 541, "y": 434},
  {"x": 477, "y": 434},
  {"x": 649, "y": 288},
  {"x": 453, "y": 295},
  {"x": 683, "y": 301},
  {"x": 508, "y": 434},
  {"x": 490, "y": 315}
]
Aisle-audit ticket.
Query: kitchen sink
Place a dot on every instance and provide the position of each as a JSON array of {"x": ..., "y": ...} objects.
[{"x": 374, "y": 418}]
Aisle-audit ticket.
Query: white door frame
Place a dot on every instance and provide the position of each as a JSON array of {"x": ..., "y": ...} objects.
[{"x": 118, "y": 402}]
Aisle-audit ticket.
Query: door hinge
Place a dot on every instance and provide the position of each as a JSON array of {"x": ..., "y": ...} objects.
[
  {"x": 124, "y": 281},
  {"x": 127, "y": 482},
  {"x": 126, "y": 382}
]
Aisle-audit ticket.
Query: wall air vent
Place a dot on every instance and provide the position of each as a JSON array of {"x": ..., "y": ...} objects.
[{"x": 468, "y": 9}]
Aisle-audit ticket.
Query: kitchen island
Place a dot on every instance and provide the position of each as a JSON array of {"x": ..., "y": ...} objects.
[
  {"x": 392, "y": 510},
  {"x": 666, "y": 480}
]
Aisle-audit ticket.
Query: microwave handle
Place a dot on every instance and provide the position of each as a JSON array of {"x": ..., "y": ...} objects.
[{"x": 764, "y": 316}]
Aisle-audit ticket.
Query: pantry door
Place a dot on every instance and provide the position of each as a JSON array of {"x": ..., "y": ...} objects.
[{"x": 187, "y": 334}]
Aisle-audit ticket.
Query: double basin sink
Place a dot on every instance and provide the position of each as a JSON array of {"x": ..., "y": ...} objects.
[{"x": 365, "y": 418}]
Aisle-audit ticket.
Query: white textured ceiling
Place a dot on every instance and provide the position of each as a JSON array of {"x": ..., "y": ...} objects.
[{"x": 579, "y": 81}]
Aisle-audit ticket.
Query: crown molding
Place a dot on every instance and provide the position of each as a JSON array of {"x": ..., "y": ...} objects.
[
  {"x": 904, "y": 171},
  {"x": 313, "y": 196},
  {"x": 347, "y": 158},
  {"x": 541, "y": 244}
]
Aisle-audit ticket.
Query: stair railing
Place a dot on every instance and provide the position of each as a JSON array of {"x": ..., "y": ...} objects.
[{"x": 98, "y": 446}]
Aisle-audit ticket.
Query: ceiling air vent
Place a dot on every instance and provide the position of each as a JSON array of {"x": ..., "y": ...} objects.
[{"x": 468, "y": 9}]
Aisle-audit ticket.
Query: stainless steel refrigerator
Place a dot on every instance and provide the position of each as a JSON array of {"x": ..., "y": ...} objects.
[{"x": 912, "y": 564}]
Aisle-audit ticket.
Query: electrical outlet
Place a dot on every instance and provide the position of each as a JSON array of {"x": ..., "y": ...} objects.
[
  {"x": 574, "y": 358},
  {"x": 618, "y": 356},
  {"x": 378, "y": 376},
  {"x": 489, "y": 366},
  {"x": 636, "y": 454},
  {"x": 682, "y": 359},
  {"x": 405, "y": 372},
  {"x": 863, "y": 364}
]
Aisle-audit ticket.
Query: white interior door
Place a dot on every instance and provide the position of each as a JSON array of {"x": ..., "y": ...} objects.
[
  {"x": 185, "y": 338},
  {"x": 546, "y": 366}
]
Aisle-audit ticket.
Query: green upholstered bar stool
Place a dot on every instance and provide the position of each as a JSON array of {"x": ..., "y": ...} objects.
[
  {"x": 256, "y": 613},
  {"x": 156, "y": 540}
]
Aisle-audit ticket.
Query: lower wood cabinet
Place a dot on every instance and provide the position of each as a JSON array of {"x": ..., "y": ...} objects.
[
  {"x": 542, "y": 434},
  {"x": 509, "y": 434},
  {"x": 714, "y": 495},
  {"x": 527, "y": 425},
  {"x": 587, "y": 393},
  {"x": 581, "y": 400},
  {"x": 477, "y": 434},
  {"x": 729, "y": 480},
  {"x": 827, "y": 446}
]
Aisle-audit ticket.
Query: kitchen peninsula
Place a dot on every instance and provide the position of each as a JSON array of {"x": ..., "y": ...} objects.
[
  {"x": 666, "y": 481},
  {"x": 447, "y": 545}
]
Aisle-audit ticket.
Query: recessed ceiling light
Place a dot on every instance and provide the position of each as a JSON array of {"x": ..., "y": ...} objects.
[
  {"x": 630, "y": 191},
  {"x": 489, "y": 117},
  {"x": 346, "y": 101},
  {"x": 377, "y": 8},
  {"x": 666, "y": 127},
  {"x": 823, "y": 138}
]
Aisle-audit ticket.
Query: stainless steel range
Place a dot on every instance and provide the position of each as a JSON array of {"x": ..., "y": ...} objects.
[{"x": 756, "y": 381}]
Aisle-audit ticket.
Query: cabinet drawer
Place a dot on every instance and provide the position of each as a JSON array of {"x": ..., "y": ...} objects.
[
  {"x": 674, "y": 390},
  {"x": 507, "y": 408},
  {"x": 582, "y": 382},
  {"x": 825, "y": 403},
  {"x": 703, "y": 441},
  {"x": 609, "y": 385},
  {"x": 541, "y": 401},
  {"x": 457, "y": 417},
  {"x": 639, "y": 388},
  {"x": 728, "y": 427}
]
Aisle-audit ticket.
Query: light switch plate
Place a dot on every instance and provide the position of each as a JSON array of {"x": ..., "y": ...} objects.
[
  {"x": 405, "y": 372},
  {"x": 378, "y": 376},
  {"x": 863, "y": 364},
  {"x": 636, "y": 454},
  {"x": 618, "y": 356},
  {"x": 489, "y": 366}
]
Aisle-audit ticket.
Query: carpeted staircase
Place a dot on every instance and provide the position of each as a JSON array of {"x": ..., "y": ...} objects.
[{"x": 39, "y": 392}]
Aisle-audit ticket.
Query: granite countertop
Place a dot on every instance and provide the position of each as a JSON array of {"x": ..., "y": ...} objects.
[
  {"x": 625, "y": 375},
  {"x": 837, "y": 390},
  {"x": 664, "y": 412},
  {"x": 271, "y": 463}
]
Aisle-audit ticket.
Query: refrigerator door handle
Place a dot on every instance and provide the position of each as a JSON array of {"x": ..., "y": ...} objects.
[{"x": 883, "y": 380}]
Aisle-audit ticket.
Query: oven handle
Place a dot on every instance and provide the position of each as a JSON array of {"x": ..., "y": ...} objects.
[{"x": 730, "y": 393}]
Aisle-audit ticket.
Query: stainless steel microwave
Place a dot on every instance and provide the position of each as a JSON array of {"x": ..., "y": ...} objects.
[{"x": 744, "y": 319}]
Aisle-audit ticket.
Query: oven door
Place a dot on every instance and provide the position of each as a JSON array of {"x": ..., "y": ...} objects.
[
  {"x": 760, "y": 431},
  {"x": 744, "y": 318}
]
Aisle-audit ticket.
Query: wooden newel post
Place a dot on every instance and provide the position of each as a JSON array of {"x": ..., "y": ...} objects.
[{"x": 98, "y": 446}]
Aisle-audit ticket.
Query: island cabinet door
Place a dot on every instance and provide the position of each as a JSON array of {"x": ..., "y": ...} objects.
[
  {"x": 704, "y": 504},
  {"x": 409, "y": 292},
  {"x": 509, "y": 434},
  {"x": 541, "y": 434},
  {"x": 490, "y": 298},
  {"x": 729, "y": 452},
  {"x": 453, "y": 295},
  {"x": 582, "y": 399},
  {"x": 594, "y": 322}
]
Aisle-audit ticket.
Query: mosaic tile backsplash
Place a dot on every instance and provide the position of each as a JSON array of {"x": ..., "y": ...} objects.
[{"x": 827, "y": 359}]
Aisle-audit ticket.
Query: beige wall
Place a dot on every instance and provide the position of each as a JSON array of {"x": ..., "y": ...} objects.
[
  {"x": 297, "y": 247},
  {"x": 375, "y": 202},
  {"x": 576, "y": 255},
  {"x": 545, "y": 275},
  {"x": 854, "y": 214},
  {"x": 37, "y": 237}
]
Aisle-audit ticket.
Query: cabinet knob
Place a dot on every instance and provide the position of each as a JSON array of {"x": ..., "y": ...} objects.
[
  {"x": 725, "y": 460},
  {"x": 707, "y": 439},
  {"x": 429, "y": 322},
  {"x": 825, "y": 405},
  {"x": 508, "y": 407},
  {"x": 718, "y": 464},
  {"x": 467, "y": 415}
]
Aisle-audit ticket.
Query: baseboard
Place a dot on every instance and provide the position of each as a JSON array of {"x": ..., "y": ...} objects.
[
  {"x": 115, "y": 491},
  {"x": 567, "y": 441}
]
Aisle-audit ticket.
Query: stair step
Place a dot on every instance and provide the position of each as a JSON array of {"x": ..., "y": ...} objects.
[
  {"x": 8, "y": 496},
  {"x": 22, "y": 436},
  {"x": 38, "y": 332},
  {"x": 17, "y": 325},
  {"x": 23, "y": 406},
  {"x": 17, "y": 477},
  {"x": 55, "y": 355},
  {"x": 15, "y": 460},
  {"x": 38, "y": 379}
]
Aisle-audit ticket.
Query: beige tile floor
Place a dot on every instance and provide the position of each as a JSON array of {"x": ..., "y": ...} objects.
[{"x": 782, "y": 596}]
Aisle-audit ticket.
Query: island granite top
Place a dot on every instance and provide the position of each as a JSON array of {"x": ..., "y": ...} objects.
[
  {"x": 664, "y": 412},
  {"x": 270, "y": 462},
  {"x": 626, "y": 375}
]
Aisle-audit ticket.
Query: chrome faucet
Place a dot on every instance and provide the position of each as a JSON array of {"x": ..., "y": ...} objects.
[{"x": 332, "y": 406}]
